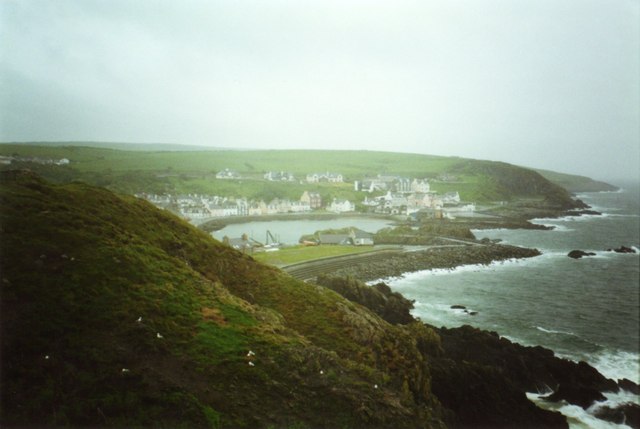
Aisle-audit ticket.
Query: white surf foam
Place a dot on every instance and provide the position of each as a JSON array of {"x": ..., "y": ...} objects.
[
  {"x": 552, "y": 331},
  {"x": 618, "y": 364},
  {"x": 577, "y": 417}
]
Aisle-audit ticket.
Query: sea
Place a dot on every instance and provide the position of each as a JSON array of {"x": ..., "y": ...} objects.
[{"x": 583, "y": 309}]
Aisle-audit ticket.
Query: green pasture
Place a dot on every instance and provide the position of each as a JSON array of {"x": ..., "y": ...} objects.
[{"x": 190, "y": 171}]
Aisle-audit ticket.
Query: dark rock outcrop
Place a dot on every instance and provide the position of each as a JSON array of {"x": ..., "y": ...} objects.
[
  {"x": 623, "y": 249},
  {"x": 577, "y": 395},
  {"x": 577, "y": 254},
  {"x": 379, "y": 298},
  {"x": 629, "y": 386},
  {"x": 628, "y": 414},
  {"x": 583, "y": 213},
  {"x": 480, "y": 396},
  {"x": 531, "y": 369}
]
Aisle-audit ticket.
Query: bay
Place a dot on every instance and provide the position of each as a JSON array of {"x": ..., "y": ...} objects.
[
  {"x": 586, "y": 309},
  {"x": 289, "y": 231}
]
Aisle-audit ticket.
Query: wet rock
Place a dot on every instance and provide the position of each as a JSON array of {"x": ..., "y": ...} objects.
[
  {"x": 628, "y": 414},
  {"x": 577, "y": 254},
  {"x": 531, "y": 369},
  {"x": 623, "y": 249},
  {"x": 629, "y": 386},
  {"x": 481, "y": 396},
  {"x": 379, "y": 298},
  {"x": 577, "y": 395}
]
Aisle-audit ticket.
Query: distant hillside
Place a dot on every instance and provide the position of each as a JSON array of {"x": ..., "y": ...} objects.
[
  {"x": 117, "y": 314},
  {"x": 167, "y": 171},
  {"x": 506, "y": 181},
  {"x": 144, "y": 147},
  {"x": 574, "y": 183}
]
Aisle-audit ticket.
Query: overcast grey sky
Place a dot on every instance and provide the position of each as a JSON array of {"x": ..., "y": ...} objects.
[{"x": 542, "y": 83}]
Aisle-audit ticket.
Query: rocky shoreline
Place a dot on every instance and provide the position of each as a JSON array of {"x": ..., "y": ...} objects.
[
  {"x": 435, "y": 258},
  {"x": 482, "y": 378}
]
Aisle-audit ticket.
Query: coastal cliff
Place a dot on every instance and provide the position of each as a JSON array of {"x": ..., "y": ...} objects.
[
  {"x": 482, "y": 378},
  {"x": 117, "y": 314}
]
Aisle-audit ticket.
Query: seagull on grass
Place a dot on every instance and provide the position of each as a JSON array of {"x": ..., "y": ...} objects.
[
  {"x": 251, "y": 363},
  {"x": 158, "y": 335}
]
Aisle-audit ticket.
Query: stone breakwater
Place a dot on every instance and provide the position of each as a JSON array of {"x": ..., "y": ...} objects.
[{"x": 394, "y": 265}]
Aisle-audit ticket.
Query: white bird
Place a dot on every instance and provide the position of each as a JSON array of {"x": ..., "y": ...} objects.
[
  {"x": 125, "y": 370},
  {"x": 250, "y": 354},
  {"x": 375, "y": 386},
  {"x": 321, "y": 372},
  {"x": 252, "y": 364},
  {"x": 158, "y": 335},
  {"x": 139, "y": 319},
  {"x": 47, "y": 357}
]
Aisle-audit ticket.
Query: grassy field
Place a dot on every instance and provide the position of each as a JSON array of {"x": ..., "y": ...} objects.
[
  {"x": 183, "y": 172},
  {"x": 295, "y": 254}
]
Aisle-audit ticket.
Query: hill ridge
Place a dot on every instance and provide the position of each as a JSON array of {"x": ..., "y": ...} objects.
[{"x": 115, "y": 313}]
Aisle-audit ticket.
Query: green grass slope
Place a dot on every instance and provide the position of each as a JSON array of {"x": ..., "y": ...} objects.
[
  {"x": 502, "y": 181},
  {"x": 573, "y": 183},
  {"x": 188, "y": 171},
  {"x": 116, "y": 314}
]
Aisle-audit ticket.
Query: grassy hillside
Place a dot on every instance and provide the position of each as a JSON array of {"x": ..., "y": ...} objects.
[
  {"x": 574, "y": 183},
  {"x": 194, "y": 172},
  {"x": 117, "y": 314}
]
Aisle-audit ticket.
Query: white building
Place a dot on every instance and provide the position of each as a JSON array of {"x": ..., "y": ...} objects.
[
  {"x": 227, "y": 174},
  {"x": 421, "y": 186},
  {"x": 341, "y": 206},
  {"x": 324, "y": 177}
]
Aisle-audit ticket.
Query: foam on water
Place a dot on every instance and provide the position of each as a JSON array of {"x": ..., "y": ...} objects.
[
  {"x": 551, "y": 331},
  {"x": 618, "y": 364},
  {"x": 577, "y": 417}
]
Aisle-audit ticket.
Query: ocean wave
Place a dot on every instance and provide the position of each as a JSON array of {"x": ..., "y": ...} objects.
[
  {"x": 437, "y": 314},
  {"x": 549, "y": 224},
  {"x": 617, "y": 364},
  {"x": 579, "y": 418},
  {"x": 552, "y": 331}
]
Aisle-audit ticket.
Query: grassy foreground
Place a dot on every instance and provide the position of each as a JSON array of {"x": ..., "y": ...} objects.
[{"x": 116, "y": 314}]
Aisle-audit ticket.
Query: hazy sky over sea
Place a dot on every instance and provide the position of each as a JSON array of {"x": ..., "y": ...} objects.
[{"x": 542, "y": 83}]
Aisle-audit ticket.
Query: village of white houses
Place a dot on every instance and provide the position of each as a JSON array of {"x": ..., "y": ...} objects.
[{"x": 382, "y": 194}]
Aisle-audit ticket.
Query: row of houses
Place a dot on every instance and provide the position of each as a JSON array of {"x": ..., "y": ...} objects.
[
  {"x": 400, "y": 203},
  {"x": 194, "y": 206},
  {"x": 392, "y": 183},
  {"x": 8, "y": 160},
  {"x": 285, "y": 176}
]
